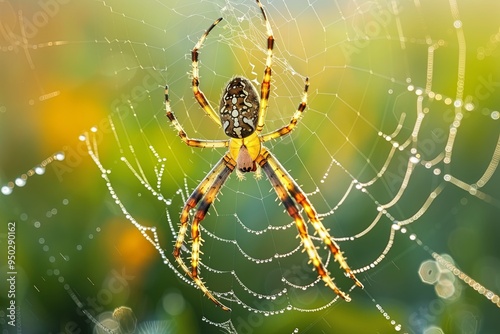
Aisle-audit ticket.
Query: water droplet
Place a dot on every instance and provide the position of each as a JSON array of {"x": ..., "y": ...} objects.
[
  {"x": 415, "y": 159},
  {"x": 469, "y": 106},
  {"x": 21, "y": 181},
  {"x": 59, "y": 156},
  {"x": 429, "y": 272},
  {"x": 6, "y": 190},
  {"x": 40, "y": 170}
]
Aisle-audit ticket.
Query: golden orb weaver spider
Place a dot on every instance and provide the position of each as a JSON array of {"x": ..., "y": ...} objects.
[{"x": 242, "y": 116}]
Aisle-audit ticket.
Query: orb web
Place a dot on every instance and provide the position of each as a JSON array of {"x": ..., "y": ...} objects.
[{"x": 398, "y": 151}]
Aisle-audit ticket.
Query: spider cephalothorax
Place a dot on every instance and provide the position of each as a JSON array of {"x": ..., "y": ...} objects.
[{"x": 242, "y": 115}]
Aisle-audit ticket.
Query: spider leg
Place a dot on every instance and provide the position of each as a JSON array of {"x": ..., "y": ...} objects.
[
  {"x": 293, "y": 122},
  {"x": 198, "y": 94},
  {"x": 286, "y": 188},
  {"x": 191, "y": 142},
  {"x": 265, "y": 87},
  {"x": 299, "y": 197},
  {"x": 203, "y": 196}
]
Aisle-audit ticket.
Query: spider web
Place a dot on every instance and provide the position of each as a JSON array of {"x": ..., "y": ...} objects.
[{"x": 398, "y": 151}]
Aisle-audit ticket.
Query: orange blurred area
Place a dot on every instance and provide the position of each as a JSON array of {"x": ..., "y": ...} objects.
[
  {"x": 63, "y": 118},
  {"x": 128, "y": 246}
]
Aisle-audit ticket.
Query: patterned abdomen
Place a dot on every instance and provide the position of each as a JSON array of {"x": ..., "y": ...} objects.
[{"x": 239, "y": 108}]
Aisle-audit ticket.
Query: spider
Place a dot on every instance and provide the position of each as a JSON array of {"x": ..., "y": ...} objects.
[{"x": 241, "y": 115}]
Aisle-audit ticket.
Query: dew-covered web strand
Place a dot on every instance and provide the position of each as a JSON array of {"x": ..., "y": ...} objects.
[
  {"x": 39, "y": 169},
  {"x": 415, "y": 157},
  {"x": 91, "y": 144},
  {"x": 89, "y": 315},
  {"x": 149, "y": 233},
  {"x": 443, "y": 261},
  {"x": 246, "y": 29}
]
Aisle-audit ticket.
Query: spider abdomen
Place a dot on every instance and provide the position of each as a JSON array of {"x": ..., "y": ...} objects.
[{"x": 239, "y": 108}]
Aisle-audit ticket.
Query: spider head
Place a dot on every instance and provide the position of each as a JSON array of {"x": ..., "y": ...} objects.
[
  {"x": 244, "y": 161},
  {"x": 239, "y": 108},
  {"x": 244, "y": 152}
]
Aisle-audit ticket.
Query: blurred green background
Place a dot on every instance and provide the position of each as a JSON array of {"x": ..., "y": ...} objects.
[{"x": 67, "y": 66}]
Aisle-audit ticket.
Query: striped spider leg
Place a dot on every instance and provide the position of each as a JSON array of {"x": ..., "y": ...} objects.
[
  {"x": 290, "y": 194},
  {"x": 242, "y": 117}
]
